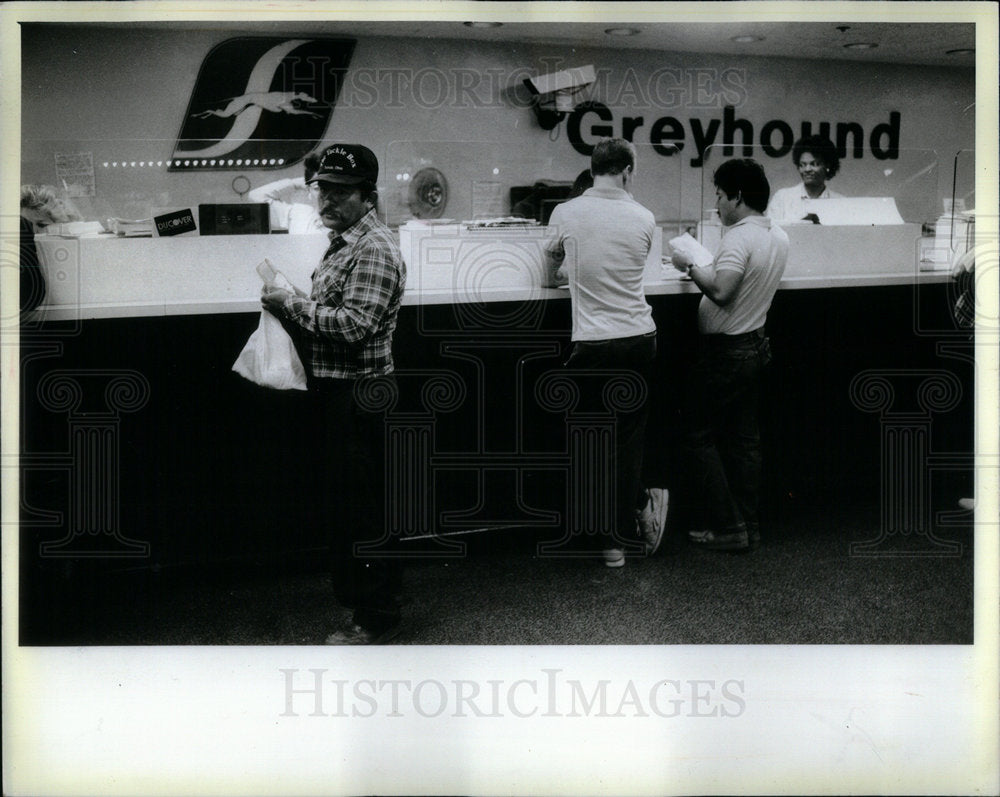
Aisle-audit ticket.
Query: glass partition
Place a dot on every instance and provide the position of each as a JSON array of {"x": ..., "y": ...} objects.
[
  {"x": 963, "y": 181},
  {"x": 912, "y": 181},
  {"x": 954, "y": 232},
  {"x": 474, "y": 180},
  {"x": 878, "y": 216},
  {"x": 133, "y": 178}
]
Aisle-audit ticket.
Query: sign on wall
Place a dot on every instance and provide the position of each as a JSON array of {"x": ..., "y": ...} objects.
[
  {"x": 261, "y": 103},
  {"x": 75, "y": 173}
]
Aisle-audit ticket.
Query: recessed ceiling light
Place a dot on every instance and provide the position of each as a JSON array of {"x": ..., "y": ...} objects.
[
  {"x": 481, "y": 24},
  {"x": 860, "y": 46},
  {"x": 746, "y": 39},
  {"x": 623, "y": 31},
  {"x": 961, "y": 51}
]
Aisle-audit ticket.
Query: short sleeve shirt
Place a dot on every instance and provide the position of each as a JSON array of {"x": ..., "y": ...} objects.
[
  {"x": 603, "y": 238},
  {"x": 758, "y": 249}
]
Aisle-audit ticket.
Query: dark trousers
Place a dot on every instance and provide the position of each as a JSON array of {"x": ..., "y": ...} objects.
[
  {"x": 606, "y": 359},
  {"x": 722, "y": 436},
  {"x": 350, "y": 418}
]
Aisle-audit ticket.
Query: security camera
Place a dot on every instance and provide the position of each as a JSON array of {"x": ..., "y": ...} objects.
[
  {"x": 567, "y": 80},
  {"x": 555, "y": 93}
]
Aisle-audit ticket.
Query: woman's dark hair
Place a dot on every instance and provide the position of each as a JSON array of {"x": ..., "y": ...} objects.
[
  {"x": 311, "y": 165},
  {"x": 821, "y": 148},
  {"x": 583, "y": 181},
  {"x": 744, "y": 177}
]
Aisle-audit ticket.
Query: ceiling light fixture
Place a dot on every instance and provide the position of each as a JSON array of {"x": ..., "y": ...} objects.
[
  {"x": 746, "y": 39},
  {"x": 482, "y": 24},
  {"x": 860, "y": 46},
  {"x": 622, "y": 31}
]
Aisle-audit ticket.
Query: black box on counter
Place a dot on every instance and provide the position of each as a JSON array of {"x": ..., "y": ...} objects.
[{"x": 245, "y": 218}]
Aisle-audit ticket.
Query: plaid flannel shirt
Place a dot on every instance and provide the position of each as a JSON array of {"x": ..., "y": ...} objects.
[{"x": 350, "y": 315}]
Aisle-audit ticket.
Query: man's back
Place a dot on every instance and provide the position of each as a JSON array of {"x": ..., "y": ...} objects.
[{"x": 606, "y": 236}]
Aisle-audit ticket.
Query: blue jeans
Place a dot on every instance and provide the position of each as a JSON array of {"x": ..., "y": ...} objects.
[
  {"x": 609, "y": 357},
  {"x": 722, "y": 436}
]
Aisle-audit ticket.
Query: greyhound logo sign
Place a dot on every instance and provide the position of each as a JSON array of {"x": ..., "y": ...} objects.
[{"x": 261, "y": 103}]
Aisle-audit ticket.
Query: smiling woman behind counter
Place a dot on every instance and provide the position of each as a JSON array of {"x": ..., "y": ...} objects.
[{"x": 817, "y": 160}]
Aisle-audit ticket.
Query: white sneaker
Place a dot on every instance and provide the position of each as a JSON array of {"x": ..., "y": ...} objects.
[
  {"x": 652, "y": 519},
  {"x": 614, "y": 557}
]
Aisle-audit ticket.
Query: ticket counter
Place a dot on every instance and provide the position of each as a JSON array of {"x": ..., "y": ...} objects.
[
  {"x": 127, "y": 383},
  {"x": 104, "y": 276}
]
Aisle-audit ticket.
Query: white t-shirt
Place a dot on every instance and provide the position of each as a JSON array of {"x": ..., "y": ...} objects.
[
  {"x": 788, "y": 205},
  {"x": 758, "y": 249},
  {"x": 603, "y": 237},
  {"x": 292, "y": 206}
]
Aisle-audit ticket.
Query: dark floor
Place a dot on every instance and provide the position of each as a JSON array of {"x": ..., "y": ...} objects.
[{"x": 803, "y": 586}]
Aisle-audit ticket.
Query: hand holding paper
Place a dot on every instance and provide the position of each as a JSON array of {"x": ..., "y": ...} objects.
[
  {"x": 274, "y": 278},
  {"x": 686, "y": 251},
  {"x": 273, "y": 299}
]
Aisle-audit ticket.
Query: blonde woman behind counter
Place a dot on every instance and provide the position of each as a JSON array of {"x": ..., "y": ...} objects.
[
  {"x": 41, "y": 205},
  {"x": 292, "y": 202}
]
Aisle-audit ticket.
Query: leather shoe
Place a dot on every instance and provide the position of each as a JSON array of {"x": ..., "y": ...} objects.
[
  {"x": 353, "y": 634},
  {"x": 720, "y": 541}
]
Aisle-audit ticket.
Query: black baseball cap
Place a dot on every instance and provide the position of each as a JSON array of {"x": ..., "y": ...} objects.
[{"x": 349, "y": 164}]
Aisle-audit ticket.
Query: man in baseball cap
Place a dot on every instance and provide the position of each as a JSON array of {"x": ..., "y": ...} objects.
[
  {"x": 346, "y": 324},
  {"x": 348, "y": 164},
  {"x": 345, "y": 181}
]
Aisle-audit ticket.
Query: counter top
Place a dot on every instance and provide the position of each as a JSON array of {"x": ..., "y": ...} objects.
[
  {"x": 103, "y": 277},
  {"x": 665, "y": 287}
]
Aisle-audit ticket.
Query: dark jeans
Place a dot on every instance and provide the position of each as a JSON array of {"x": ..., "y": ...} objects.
[
  {"x": 634, "y": 354},
  {"x": 722, "y": 437},
  {"x": 351, "y": 492}
]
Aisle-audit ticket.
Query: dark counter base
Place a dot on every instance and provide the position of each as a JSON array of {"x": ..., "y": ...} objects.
[{"x": 187, "y": 464}]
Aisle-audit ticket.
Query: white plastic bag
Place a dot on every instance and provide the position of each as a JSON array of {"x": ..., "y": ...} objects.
[{"x": 269, "y": 358}]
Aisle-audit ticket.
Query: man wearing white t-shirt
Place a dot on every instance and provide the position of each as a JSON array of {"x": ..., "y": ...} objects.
[
  {"x": 600, "y": 241},
  {"x": 722, "y": 438}
]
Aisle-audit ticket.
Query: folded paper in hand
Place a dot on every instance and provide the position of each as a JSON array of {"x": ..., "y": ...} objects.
[
  {"x": 272, "y": 277},
  {"x": 269, "y": 358},
  {"x": 687, "y": 245}
]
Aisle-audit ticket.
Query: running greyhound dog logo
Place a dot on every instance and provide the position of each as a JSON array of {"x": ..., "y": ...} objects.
[
  {"x": 261, "y": 103},
  {"x": 274, "y": 101}
]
